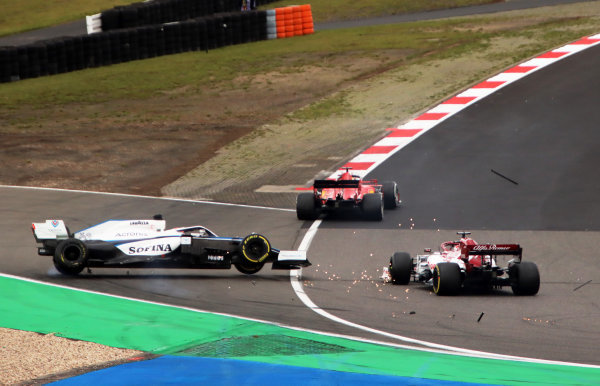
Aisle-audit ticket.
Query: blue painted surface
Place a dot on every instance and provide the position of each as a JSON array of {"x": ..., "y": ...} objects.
[{"x": 182, "y": 370}]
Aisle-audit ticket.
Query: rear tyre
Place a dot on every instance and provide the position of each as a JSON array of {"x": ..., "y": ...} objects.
[
  {"x": 306, "y": 207},
  {"x": 524, "y": 278},
  {"x": 446, "y": 279},
  {"x": 400, "y": 268},
  {"x": 70, "y": 256},
  {"x": 391, "y": 196},
  {"x": 255, "y": 248},
  {"x": 372, "y": 206}
]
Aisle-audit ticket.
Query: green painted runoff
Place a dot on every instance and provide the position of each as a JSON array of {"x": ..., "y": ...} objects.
[{"x": 162, "y": 329}]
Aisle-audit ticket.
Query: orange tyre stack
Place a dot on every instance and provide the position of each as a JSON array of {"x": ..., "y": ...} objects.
[{"x": 291, "y": 21}]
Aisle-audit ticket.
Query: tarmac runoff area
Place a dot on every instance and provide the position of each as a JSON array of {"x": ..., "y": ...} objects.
[{"x": 191, "y": 346}]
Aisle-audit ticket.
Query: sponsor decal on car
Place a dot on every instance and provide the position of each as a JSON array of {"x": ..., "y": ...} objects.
[
  {"x": 131, "y": 234},
  {"x": 152, "y": 247},
  {"x": 139, "y": 222},
  {"x": 492, "y": 247}
]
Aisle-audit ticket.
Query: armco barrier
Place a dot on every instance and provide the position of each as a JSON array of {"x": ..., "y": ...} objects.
[{"x": 64, "y": 54}]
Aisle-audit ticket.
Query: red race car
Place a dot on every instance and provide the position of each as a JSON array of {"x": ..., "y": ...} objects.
[
  {"x": 465, "y": 262},
  {"x": 348, "y": 191}
]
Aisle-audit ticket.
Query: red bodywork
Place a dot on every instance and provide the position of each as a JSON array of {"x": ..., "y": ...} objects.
[
  {"x": 348, "y": 190},
  {"x": 476, "y": 255}
]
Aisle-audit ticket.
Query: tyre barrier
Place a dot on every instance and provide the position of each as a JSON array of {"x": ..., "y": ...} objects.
[
  {"x": 65, "y": 54},
  {"x": 158, "y": 12}
]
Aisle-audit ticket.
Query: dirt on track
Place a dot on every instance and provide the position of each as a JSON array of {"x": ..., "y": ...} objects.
[{"x": 139, "y": 146}]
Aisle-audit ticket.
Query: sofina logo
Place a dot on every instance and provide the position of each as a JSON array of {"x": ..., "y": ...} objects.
[
  {"x": 153, "y": 247},
  {"x": 150, "y": 248}
]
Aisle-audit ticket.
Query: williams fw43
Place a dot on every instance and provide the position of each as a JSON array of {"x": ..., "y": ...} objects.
[
  {"x": 147, "y": 244},
  {"x": 349, "y": 191},
  {"x": 465, "y": 263}
]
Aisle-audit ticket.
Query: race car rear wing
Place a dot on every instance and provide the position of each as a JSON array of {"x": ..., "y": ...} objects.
[
  {"x": 50, "y": 230},
  {"x": 493, "y": 249},
  {"x": 334, "y": 184}
]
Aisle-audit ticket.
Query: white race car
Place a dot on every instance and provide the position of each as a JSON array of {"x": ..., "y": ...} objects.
[
  {"x": 146, "y": 243},
  {"x": 465, "y": 262}
]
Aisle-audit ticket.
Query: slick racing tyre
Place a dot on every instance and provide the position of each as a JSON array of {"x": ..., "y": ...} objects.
[
  {"x": 248, "y": 268},
  {"x": 306, "y": 207},
  {"x": 372, "y": 206},
  {"x": 524, "y": 278},
  {"x": 391, "y": 197},
  {"x": 255, "y": 248},
  {"x": 70, "y": 256},
  {"x": 400, "y": 268},
  {"x": 446, "y": 279}
]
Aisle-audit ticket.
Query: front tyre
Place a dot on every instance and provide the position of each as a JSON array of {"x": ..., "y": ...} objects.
[
  {"x": 400, "y": 268},
  {"x": 70, "y": 256},
  {"x": 391, "y": 196},
  {"x": 255, "y": 248},
  {"x": 446, "y": 279},
  {"x": 372, "y": 206},
  {"x": 306, "y": 207},
  {"x": 524, "y": 278}
]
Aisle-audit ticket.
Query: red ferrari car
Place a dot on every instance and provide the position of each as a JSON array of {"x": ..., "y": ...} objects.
[{"x": 348, "y": 191}]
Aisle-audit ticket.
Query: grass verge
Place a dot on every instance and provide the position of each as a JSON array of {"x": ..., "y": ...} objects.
[{"x": 26, "y": 15}]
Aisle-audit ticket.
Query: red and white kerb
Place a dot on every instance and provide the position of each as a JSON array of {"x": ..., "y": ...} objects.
[{"x": 402, "y": 135}]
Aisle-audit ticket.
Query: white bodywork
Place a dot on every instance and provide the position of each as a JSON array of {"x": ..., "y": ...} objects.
[
  {"x": 430, "y": 261},
  {"x": 139, "y": 237},
  {"x": 291, "y": 255},
  {"x": 114, "y": 230},
  {"x": 50, "y": 230}
]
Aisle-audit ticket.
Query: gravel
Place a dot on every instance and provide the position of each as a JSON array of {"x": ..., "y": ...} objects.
[{"x": 25, "y": 357}]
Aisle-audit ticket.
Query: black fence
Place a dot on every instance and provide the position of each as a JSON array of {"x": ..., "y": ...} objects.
[{"x": 67, "y": 54}]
